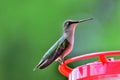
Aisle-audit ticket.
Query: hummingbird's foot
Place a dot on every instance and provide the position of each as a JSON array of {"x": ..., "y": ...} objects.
[{"x": 61, "y": 60}]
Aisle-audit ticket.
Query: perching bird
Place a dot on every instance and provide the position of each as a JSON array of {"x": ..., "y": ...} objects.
[{"x": 63, "y": 46}]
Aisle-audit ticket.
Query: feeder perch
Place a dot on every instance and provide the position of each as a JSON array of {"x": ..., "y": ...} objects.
[{"x": 103, "y": 69}]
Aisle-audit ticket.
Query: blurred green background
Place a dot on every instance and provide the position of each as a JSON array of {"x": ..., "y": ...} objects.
[{"x": 28, "y": 28}]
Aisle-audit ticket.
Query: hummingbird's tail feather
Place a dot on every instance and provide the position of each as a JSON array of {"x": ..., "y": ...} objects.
[
  {"x": 38, "y": 65},
  {"x": 35, "y": 68},
  {"x": 43, "y": 64}
]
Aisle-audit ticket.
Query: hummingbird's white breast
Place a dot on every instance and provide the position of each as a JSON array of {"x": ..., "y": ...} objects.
[{"x": 69, "y": 35}]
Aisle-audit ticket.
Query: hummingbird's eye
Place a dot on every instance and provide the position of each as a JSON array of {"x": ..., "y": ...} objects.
[{"x": 67, "y": 24}]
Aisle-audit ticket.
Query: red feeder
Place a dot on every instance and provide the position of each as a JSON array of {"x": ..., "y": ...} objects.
[{"x": 105, "y": 69}]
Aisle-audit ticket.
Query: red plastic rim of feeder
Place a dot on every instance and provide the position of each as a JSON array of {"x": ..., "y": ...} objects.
[{"x": 103, "y": 69}]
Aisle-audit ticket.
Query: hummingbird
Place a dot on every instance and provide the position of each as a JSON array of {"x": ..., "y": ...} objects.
[{"x": 63, "y": 46}]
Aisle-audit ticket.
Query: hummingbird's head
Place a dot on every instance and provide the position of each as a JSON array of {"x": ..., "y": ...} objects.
[{"x": 70, "y": 25}]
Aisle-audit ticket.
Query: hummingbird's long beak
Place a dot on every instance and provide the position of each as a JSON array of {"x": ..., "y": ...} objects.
[
  {"x": 79, "y": 21},
  {"x": 85, "y": 20}
]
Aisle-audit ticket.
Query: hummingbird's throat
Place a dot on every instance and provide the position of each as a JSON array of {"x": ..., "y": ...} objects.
[{"x": 69, "y": 35}]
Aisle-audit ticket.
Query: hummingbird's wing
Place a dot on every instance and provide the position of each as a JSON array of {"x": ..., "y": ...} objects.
[{"x": 53, "y": 53}]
